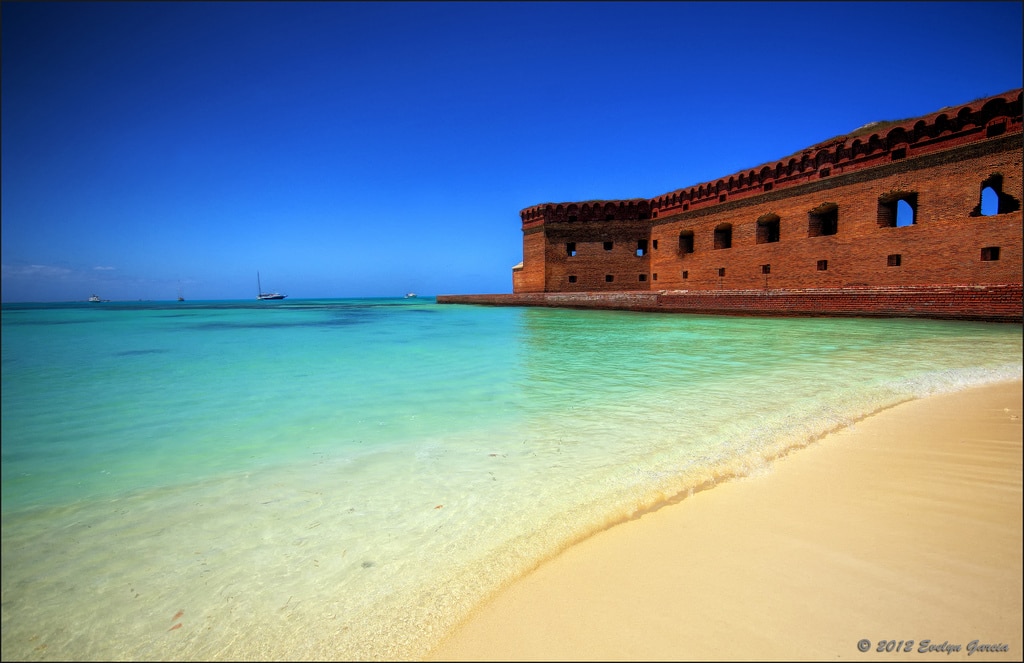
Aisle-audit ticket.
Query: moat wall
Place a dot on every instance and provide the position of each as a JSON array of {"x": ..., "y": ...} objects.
[
  {"x": 997, "y": 303},
  {"x": 888, "y": 220}
]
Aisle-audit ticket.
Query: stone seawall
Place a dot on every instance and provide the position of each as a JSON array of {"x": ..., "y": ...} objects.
[{"x": 992, "y": 303}]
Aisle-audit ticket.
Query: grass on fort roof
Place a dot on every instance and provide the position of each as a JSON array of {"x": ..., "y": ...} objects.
[
  {"x": 865, "y": 130},
  {"x": 882, "y": 125}
]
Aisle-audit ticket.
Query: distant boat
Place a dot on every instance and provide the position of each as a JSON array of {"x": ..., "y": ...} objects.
[
  {"x": 181, "y": 297},
  {"x": 410, "y": 295},
  {"x": 95, "y": 298},
  {"x": 266, "y": 295}
]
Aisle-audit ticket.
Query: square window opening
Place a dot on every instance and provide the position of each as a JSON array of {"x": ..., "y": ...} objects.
[
  {"x": 990, "y": 253},
  {"x": 823, "y": 222},
  {"x": 767, "y": 231}
]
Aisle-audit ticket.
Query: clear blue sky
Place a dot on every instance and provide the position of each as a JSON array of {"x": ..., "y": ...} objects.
[{"x": 349, "y": 149}]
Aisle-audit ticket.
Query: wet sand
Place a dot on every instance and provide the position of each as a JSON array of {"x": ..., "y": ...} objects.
[{"x": 905, "y": 527}]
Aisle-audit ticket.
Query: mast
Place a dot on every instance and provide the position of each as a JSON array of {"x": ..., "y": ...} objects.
[{"x": 259, "y": 287}]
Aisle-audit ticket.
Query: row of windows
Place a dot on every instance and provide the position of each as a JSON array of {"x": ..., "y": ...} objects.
[
  {"x": 610, "y": 278},
  {"x": 895, "y": 210},
  {"x": 993, "y": 201},
  {"x": 988, "y": 254},
  {"x": 641, "y": 247},
  {"x": 823, "y": 221}
]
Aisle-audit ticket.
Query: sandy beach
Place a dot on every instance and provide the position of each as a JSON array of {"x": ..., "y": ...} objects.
[{"x": 904, "y": 528}]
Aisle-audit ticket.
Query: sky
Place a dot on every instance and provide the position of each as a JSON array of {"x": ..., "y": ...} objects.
[{"x": 350, "y": 149}]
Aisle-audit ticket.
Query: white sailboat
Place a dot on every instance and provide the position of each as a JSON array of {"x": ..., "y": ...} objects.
[{"x": 266, "y": 295}]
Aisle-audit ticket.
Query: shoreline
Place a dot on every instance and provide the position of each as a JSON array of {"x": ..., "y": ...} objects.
[{"x": 905, "y": 526}]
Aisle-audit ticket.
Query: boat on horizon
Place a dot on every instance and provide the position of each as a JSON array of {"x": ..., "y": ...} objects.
[
  {"x": 410, "y": 295},
  {"x": 266, "y": 295},
  {"x": 95, "y": 298}
]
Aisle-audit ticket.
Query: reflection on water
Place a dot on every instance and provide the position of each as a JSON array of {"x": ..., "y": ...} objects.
[{"x": 345, "y": 479}]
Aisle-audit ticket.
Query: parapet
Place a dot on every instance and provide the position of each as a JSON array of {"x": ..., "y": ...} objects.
[{"x": 869, "y": 146}]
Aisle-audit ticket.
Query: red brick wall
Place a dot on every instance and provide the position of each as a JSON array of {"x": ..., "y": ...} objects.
[
  {"x": 604, "y": 250},
  {"x": 941, "y": 161},
  {"x": 531, "y": 277},
  {"x": 943, "y": 246}
]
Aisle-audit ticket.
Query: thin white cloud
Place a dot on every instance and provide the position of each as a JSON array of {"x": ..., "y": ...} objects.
[
  {"x": 101, "y": 268},
  {"x": 33, "y": 271}
]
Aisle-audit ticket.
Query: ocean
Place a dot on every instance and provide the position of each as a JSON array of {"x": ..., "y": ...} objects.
[{"x": 345, "y": 479}]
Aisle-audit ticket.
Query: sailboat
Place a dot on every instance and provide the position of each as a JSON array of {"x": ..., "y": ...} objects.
[
  {"x": 181, "y": 297},
  {"x": 266, "y": 295}
]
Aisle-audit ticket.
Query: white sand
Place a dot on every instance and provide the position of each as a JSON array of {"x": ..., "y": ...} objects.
[{"x": 906, "y": 526}]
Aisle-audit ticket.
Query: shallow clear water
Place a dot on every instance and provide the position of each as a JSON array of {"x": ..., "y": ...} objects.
[{"x": 345, "y": 479}]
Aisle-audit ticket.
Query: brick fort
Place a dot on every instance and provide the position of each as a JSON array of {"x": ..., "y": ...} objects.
[{"x": 912, "y": 218}]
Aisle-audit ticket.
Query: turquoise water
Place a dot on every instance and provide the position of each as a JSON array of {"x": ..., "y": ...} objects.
[{"x": 346, "y": 479}]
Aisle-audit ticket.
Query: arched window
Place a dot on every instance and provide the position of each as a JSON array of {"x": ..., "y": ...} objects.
[
  {"x": 904, "y": 214},
  {"x": 989, "y": 201},
  {"x": 897, "y": 209},
  {"x": 993, "y": 200}
]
